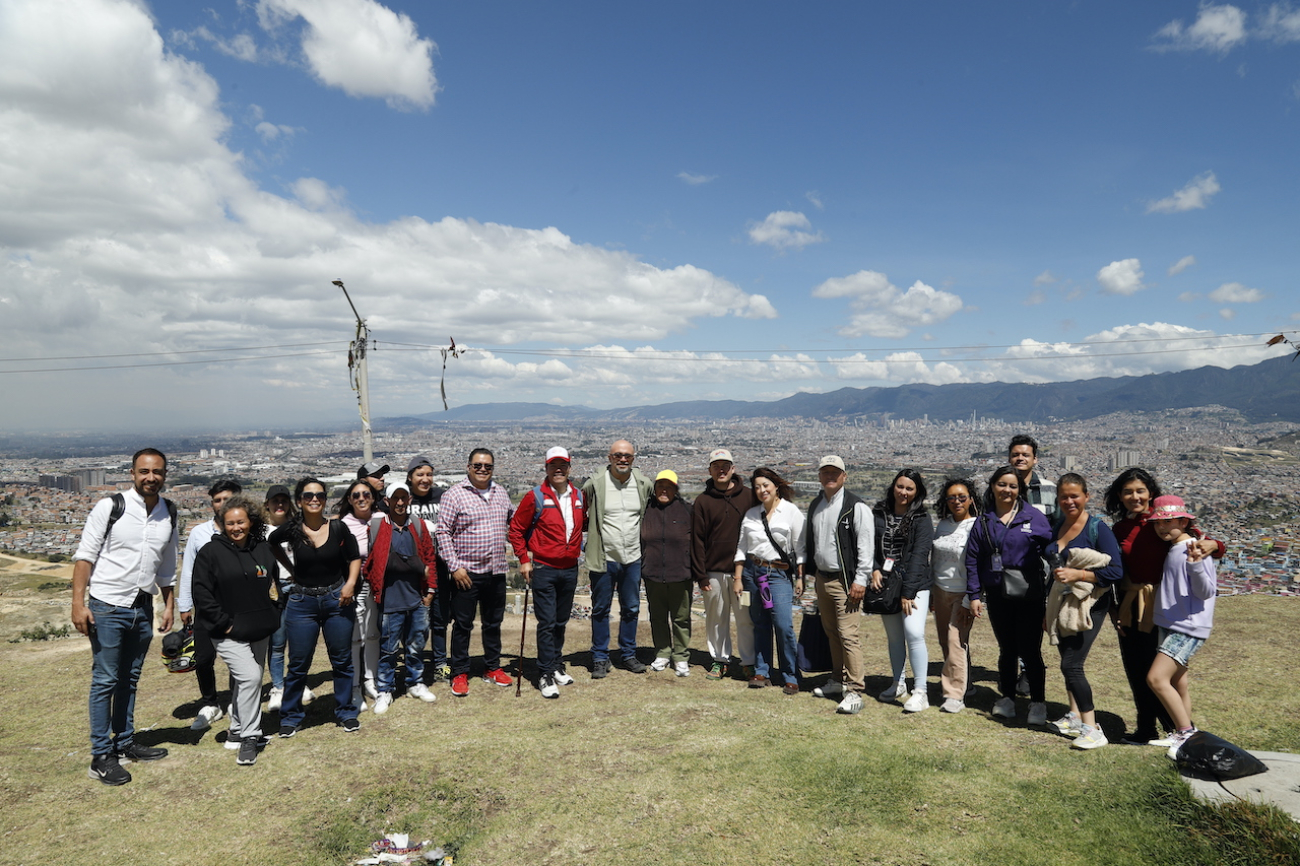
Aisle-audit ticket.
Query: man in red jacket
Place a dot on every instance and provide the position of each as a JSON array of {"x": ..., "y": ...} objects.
[{"x": 546, "y": 535}]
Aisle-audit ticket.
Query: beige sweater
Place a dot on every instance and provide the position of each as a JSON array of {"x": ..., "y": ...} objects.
[{"x": 1069, "y": 605}]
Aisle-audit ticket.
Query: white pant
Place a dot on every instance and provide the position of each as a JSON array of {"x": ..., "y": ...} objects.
[
  {"x": 720, "y": 604},
  {"x": 365, "y": 637},
  {"x": 907, "y": 640},
  {"x": 246, "y": 662}
]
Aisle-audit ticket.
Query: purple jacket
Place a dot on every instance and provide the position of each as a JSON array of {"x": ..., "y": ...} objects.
[
  {"x": 1185, "y": 597},
  {"x": 1022, "y": 544}
]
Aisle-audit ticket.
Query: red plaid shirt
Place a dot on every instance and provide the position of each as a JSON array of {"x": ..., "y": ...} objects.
[{"x": 471, "y": 529}]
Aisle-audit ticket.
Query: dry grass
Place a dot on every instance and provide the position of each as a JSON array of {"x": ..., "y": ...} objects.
[{"x": 634, "y": 769}]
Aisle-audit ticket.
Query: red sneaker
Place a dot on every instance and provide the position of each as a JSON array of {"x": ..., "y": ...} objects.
[
  {"x": 460, "y": 685},
  {"x": 499, "y": 677}
]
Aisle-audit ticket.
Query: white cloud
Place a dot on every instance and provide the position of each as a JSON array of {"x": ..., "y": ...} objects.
[
  {"x": 1181, "y": 265},
  {"x": 882, "y": 310},
  {"x": 696, "y": 179},
  {"x": 1236, "y": 293},
  {"x": 1121, "y": 278},
  {"x": 898, "y": 367},
  {"x": 361, "y": 47},
  {"x": 270, "y": 132},
  {"x": 784, "y": 230},
  {"x": 1035, "y": 298},
  {"x": 1044, "y": 279},
  {"x": 815, "y": 198},
  {"x": 126, "y": 224},
  {"x": 1194, "y": 196},
  {"x": 1217, "y": 29},
  {"x": 241, "y": 46},
  {"x": 1281, "y": 24},
  {"x": 1227, "y": 314},
  {"x": 1188, "y": 297}
]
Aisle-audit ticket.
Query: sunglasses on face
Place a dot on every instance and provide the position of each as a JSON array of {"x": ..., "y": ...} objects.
[
  {"x": 481, "y": 467},
  {"x": 309, "y": 495},
  {"x": 361, "y": 494}
]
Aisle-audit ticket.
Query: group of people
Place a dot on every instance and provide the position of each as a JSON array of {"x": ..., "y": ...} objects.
[{"x": 393, "y": 569}]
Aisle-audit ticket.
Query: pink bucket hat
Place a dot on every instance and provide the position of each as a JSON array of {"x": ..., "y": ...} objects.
[{"x": 1169, "y": 507}]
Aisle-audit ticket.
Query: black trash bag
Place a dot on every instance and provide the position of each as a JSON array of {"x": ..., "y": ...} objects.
[{"x": 1204, "y": 754}]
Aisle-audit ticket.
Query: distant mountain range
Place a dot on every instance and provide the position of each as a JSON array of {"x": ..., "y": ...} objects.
[{"x": 1264, "y": 391}]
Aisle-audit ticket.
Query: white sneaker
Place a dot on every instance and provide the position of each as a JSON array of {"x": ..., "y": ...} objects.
[
  {"x": 829, "y": 690},
  {"x": 561, "y": 677},
  {"x": 274, "y": 699},
  {"x": 358, "y": 698},
  {"x": 917, "y": 702},
  {"x": 1069, "y": 724},
  {"x": 233, "y": 741},
  {"x": 384, "y": 701},
  {"x": 549, "y": 688},
  {"x": 1037, "y": 714},
  {"x": 371, "y": 692},
  {"x": 419, "y": 690},
  {"x": 1162, "y": 742},
  {"x": 659, "y": 664},
  {"x": 952, "y": 705},
  {"x": 892, "y": 693},
  {"x": 683, "y": 669},
  {"x": 205, "y": 718},
  {"x": 1176, "y": 740},
  {"x": 851, "y": 705},
  {"x": 307, "y": 696},
  {"x": 1089, "y": 738},
  {"x": 1005, "y": 708}
]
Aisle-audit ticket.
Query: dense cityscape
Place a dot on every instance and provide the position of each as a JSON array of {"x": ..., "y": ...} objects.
[{"x": 1242, "y": 479}]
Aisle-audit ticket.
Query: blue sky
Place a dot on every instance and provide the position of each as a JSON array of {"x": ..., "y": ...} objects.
[{"x": 613, "y": 204}]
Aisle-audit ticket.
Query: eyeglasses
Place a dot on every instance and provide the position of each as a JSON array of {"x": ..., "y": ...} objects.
[
  {"x": 361, "y": 494},
  {"x": 960, "y": 497},
  {"x": 309, "y": 495},
  {"x": 481, "y": 467},
  {"x": 622, "y": 456}
]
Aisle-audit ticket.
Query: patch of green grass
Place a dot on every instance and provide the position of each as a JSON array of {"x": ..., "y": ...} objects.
[{"x": 44, "y": 631}]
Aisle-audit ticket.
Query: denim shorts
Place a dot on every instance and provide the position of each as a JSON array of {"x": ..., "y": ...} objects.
[{"x": 1178, "y": 646}]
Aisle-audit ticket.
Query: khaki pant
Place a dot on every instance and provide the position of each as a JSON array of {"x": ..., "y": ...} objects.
[
  {"x": 953, "y": 630},
  {"x": 843, "y": 631}
]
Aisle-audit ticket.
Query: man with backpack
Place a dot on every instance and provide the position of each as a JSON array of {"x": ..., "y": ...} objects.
[
  {"x": 472, "y": 523},
  {"x": 126, "y": 556},
  {"x": 546, "y": 535}
]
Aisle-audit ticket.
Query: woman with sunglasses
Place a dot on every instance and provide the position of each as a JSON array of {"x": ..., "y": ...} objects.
[
  {"x": 326, "y": 565},
  {"x": 904, "y": 534},
  {"x": 956, "y": 509},
  {"x": 769, "y": 566},
  {"x": 355, "y": 509}
]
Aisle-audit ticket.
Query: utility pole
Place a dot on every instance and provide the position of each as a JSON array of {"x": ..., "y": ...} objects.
[{"x": 357, "y": 370}]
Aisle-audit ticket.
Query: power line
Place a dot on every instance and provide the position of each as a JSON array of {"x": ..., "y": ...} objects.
[
  {"x": 173, "y": 352},
  {"x": 169, "y": 363}
]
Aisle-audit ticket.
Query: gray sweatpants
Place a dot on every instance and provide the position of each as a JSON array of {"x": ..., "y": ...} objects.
[{"x": 246, "y": 662}]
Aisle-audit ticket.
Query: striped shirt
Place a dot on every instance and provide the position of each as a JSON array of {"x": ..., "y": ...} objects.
[{"x": 472, "y": 525}]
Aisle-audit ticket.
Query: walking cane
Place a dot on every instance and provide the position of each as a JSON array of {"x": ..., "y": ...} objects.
[{"x": 523, "y": 631}]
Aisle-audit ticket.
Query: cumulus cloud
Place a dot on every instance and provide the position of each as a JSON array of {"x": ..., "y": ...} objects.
[
  {"x": 1217, "y": 29},
  {"x": 1195, "y": 195},
  {"x": 1280, "y": 23},
  {"x": 696, "y": 179},
  {"x": 361, "y": 47},
  {"x": 126, "y": 224},
  {"x": 1044, "y": 279},
  {"x": 1181, "y": 265},
  {"x": 881, "y": 309},
  {"x": 1121, "y": 278},
  {"x": 899, "y": 367},
  {"x": 784, "y": 230},
  {"x": 1236, "y": 293}
]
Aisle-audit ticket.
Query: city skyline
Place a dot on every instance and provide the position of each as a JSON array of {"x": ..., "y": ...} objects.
[{"x": 618, "y": 206}]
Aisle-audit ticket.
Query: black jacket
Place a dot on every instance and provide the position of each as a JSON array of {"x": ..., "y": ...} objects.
[
  {"x": 666, "y": 541},
  {"x": 232, "y": 590},
  {"x": 914, "y": 564}
]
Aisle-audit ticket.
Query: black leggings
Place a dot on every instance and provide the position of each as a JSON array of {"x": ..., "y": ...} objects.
[
  {"x": 1138, "y": 650},
  {"x": 1018, "y": 627},
  {"x": 1074, "y": 652}
]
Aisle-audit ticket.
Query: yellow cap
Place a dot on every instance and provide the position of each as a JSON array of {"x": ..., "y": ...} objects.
[{"x": 667, "y": 475}]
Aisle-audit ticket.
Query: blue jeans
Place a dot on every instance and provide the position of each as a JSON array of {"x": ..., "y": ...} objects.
[
  {"x": 627, "y": 580},
  {"x": 306, "y": 618},
  {"x": 778, "y": 620},
  {"x": 553, "y": 590},
  {"x": 276, "y": 659},
  {"x": 408, "y": 629},
  {"x": 119, "y": 642}
]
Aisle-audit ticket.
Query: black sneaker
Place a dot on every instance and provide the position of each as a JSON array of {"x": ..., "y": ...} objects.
[
  {"x": 137, "y": 752},
  {"x": 106, "y": 769},
  {"x": 634, "y": 665},
  {"x": 600, "y": 669},
  {"x": 351, "y": 726},
  {"x": 287, "y": 731},
  {"x": 247, "y": 752}
]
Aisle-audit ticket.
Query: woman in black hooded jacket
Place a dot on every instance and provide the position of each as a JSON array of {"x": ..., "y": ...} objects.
[{"x": 233, "y": 576}]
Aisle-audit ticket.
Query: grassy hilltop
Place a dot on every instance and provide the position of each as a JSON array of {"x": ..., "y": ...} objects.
[{"x": 652, "y": 770}]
